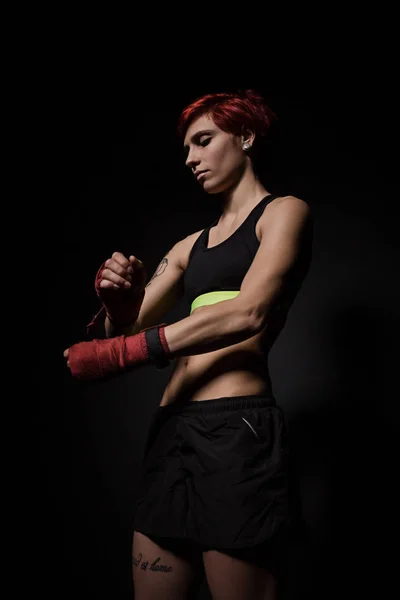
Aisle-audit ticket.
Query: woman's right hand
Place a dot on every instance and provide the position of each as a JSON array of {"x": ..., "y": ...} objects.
[
  {"x": 120, "y": 284},
  {"x": 120, "y": 272}
]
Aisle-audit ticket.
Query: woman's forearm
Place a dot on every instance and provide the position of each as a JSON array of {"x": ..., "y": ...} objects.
[
  {"x": 211, "y": 328},
  {"x": 112, "y": 331}
]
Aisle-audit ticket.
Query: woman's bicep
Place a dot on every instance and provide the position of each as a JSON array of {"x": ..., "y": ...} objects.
[{"x": 164, "y": 289}]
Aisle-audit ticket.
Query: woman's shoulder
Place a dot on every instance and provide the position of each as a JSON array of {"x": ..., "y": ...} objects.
[
  {"x": 283, "y": 211},
  {"x": 286, "y": 204},
  {"x": 290, "y": 200},
  {"x": 186, "y": 245}
]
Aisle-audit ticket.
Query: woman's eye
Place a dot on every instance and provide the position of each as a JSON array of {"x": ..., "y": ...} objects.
[{"x": 205, "y": 142}]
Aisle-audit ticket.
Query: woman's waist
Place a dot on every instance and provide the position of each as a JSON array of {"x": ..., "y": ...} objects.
[
  {"x": 247, "y": 355},
  {"x": 239, "y": 372},
  {"x": 226, "y": 385}
]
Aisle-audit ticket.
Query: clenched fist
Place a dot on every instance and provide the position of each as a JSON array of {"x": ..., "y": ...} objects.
[
  {"x": 120, "y": 284},
  {"x": 120, "y": 272}
]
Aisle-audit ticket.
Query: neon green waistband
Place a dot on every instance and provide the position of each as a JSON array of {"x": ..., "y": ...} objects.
[{"x": 212, "y": 298}]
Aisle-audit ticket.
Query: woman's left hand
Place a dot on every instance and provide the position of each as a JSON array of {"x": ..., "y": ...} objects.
[{"x": 99, "y": 358}]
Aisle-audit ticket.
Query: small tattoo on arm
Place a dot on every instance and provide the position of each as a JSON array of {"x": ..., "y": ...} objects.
[
  {"x": 152, "y": 567},
  {"x": 160, "y": 270}
]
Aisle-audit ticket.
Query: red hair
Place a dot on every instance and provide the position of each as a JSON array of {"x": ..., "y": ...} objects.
[{"x": 233, "y": 112}]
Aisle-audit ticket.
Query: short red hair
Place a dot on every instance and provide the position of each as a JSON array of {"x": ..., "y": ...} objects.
[{"x": 233, "y": 112}]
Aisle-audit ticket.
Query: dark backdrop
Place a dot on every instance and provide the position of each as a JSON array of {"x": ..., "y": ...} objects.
[{"x": 333, "y": 367}]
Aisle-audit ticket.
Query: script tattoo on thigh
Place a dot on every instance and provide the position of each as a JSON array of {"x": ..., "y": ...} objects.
[
  {"x": 160, "y": 270},
  {"x": 136, "y": 562}
]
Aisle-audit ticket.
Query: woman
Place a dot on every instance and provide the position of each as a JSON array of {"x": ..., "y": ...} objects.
[{"x": 216, "y": 492}]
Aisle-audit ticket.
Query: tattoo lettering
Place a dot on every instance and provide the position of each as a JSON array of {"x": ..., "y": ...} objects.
[
  {"x": 160, "y": 270},
  {"x": 153, "y": 566}
]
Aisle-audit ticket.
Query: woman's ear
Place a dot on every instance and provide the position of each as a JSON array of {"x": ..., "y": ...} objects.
[{"x": 247, "y": 139}]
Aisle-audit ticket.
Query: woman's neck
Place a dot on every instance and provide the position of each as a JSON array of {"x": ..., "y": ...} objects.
[{"x": 242, "y": 198}]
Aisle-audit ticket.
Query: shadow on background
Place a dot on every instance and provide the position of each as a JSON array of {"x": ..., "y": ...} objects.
[{"x": 346, "y": 458}]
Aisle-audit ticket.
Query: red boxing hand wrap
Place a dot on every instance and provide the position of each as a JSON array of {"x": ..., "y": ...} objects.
[{"x": 99, "y": 358}]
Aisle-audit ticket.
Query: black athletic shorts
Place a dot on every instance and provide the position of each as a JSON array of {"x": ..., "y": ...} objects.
[{"x": 218, "y": 473}]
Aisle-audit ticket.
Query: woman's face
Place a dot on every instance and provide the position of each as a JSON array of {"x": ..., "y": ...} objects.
[{"x": 217, "y": 153}]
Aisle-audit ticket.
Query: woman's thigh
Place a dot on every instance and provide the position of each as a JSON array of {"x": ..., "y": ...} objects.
[
  {"x": 165, "y": 569},
  {"x": 236, "y": 576}
]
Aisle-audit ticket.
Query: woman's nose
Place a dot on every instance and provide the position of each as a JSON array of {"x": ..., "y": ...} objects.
[{"x": 191, "y": 160}]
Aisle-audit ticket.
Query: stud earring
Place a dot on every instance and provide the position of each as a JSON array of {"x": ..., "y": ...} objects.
[{"x": 246, "y": 146}]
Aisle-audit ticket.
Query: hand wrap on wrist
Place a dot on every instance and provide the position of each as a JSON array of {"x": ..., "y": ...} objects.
[{"x": 99, "y": 358}]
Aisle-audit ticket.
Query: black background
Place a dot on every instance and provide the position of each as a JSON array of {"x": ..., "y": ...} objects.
[{"x": 123, "y": 186}]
